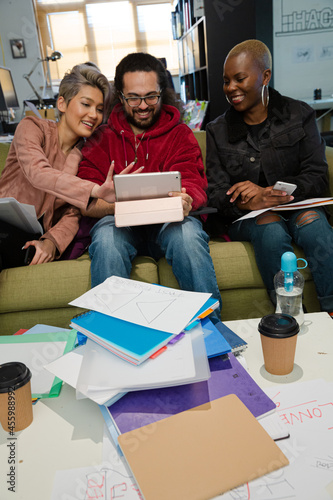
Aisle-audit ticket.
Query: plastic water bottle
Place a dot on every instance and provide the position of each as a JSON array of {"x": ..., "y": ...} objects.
[{"x": 289, "y": 285}]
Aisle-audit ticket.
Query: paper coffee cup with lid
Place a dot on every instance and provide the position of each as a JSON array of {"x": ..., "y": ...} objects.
[
  {"x": 278, "y": 333},
  {"x": 15, "y": 397}
]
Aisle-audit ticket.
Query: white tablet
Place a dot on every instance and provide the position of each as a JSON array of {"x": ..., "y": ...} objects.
[{"x": 145, "y": 186}]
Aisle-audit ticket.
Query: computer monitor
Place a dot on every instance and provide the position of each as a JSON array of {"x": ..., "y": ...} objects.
[{"x": 8, "y": 97}]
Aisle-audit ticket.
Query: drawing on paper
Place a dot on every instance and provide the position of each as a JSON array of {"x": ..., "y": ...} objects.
[
  {"x": 151, "y": 313},
  {"x": 109, "y": 484},
  {"x": 326, "y": 52},
  {"x": 303, "y": 55}
]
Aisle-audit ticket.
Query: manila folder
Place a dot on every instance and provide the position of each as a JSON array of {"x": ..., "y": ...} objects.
[{"x": 200, "y": 453}]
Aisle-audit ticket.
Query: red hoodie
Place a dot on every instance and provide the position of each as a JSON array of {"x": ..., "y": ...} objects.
[{"x": 167, "y": 145}]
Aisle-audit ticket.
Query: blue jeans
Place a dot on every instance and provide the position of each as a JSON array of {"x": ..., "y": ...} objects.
[
  {"x": 184, "y": 245},
  {"x": 270, "y": 241}
]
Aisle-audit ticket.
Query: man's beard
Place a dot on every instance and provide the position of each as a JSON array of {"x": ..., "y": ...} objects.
[{"x": 143, "y": 124}]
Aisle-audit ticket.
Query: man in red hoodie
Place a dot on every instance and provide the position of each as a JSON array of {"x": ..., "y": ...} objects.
[{"x": 144, "y": 127}]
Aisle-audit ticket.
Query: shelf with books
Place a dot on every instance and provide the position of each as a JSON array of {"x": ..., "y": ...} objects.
[
  {"x": 185, "y": 15},
  {"x": 192, "y": 63},
  {"x": 213, "y": 30},
  {"x": 189, "y": 28}
]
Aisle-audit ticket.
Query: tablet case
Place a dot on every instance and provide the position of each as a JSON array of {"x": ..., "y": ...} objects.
[{"x": 153, "y": 211}]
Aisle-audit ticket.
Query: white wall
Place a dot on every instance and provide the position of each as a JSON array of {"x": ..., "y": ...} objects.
[
  {"x": 17, "y": 21},
  {"x": 303, "y": 47}
]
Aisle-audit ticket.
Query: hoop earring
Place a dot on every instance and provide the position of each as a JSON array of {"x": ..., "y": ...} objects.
[
  {"x": 263, "y": 96},
  {"x": 227, "y": 99}
]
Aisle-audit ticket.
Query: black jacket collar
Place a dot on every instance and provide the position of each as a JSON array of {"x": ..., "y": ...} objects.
[{"x": 237, "y": 128}]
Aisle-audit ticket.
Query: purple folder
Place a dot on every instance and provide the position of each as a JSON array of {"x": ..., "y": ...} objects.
[{"x": 139, "y": 408}]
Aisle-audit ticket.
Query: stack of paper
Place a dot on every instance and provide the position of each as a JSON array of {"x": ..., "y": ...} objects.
[
  {"x": 134, "y": 319},
  {"x": 196, "y": 396},
  {"x": 103, "y": 377}
]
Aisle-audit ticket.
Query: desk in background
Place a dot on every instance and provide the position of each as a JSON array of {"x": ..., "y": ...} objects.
[
  {"x": 48, "y": 110},
  {"x": 49, "y": 113},
  {"x": 324, "y": 110}
]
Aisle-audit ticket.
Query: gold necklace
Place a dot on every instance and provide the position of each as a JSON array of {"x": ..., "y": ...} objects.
[{"x": 137, "y": 146}]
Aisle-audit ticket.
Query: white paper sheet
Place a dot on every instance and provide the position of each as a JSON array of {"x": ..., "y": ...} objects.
[
  {"x": 67, "y": 367},
  {"x": 34, "y": 355},
  {"x": 304, "y": 405},
  {"x": 306, "y": 409},
  {"x": 181, "y": 363},
  {"x": 110, "y": 480},
  {"x": 152, "y": 306},
  {"x": 19, "y": 215},
  {"x": 311, "y": 203},
  {"x": 94, "y": 483}
]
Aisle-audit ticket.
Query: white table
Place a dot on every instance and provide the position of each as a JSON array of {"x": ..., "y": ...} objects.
[
  {"x": 314, "y": 350},
  {"x": 67, "y": 433}
]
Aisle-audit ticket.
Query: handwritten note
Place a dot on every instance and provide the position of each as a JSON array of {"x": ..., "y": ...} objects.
[
  {"x": 306, "y": 409},
  {"x": 305, "y": 405}
]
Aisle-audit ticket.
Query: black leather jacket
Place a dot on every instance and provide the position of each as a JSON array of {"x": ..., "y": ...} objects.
[{"x": 289, "y": 148}]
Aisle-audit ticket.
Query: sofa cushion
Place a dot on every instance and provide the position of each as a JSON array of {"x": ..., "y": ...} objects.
[
  {"x": 57, "y": 284},
  {"x": 235, "y": 266}
]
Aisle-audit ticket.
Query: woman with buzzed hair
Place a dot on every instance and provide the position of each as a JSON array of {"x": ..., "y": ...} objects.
[{"x": 263, "y": 138}]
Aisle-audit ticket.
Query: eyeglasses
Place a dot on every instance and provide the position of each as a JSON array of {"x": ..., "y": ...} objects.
[{"x": 151, "y": 100}]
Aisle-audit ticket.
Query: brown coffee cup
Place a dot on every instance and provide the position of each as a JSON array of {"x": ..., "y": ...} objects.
[
  {"x": 15, "y": 397},
  {"x": 278, "y": 333}
]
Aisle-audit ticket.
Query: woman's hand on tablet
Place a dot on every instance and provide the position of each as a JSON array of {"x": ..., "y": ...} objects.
[{"x": 106, "y": 190}]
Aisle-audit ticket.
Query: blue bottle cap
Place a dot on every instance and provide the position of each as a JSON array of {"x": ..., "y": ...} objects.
[{"x": 289, "y": 262}]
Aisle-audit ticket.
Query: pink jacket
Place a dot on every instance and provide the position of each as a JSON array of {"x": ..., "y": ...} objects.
[{"x": 38, "y": 173}]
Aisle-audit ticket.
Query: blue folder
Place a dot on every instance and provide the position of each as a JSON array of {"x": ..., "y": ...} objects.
[
  {"x": 132, "y": 342},
  {"x": 215, "y": 343}
]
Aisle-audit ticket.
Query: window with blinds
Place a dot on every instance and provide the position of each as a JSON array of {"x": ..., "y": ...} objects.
[{"x": 104, "y": 32}]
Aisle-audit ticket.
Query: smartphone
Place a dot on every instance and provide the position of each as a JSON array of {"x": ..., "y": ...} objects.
[
  {"x": 29, "y": 255},
  {"x": 285, "y": 186}
]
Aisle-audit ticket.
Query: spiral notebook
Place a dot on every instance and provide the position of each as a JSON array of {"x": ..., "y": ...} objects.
[{"x": 130, "y": 341}]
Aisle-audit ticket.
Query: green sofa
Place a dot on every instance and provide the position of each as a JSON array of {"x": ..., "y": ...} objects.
[{"x": 40, "y": 294}]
